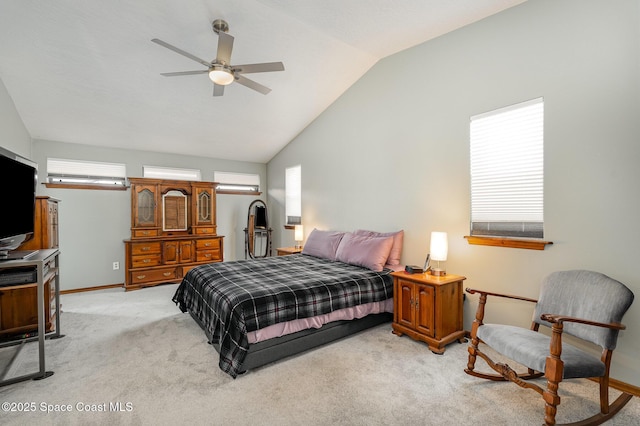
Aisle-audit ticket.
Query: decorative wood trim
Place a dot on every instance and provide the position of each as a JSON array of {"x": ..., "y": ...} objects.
[
  {"x": 522, "y": 243},
  {"x": 99, "y": 287},
  {"x": 102, "y": 187}
]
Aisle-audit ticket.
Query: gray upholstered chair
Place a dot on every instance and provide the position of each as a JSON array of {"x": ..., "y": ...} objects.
[{"x": 587, "y": 305}]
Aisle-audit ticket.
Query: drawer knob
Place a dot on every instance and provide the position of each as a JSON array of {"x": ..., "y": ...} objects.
[
  {"x": 207, "y": 244},
  {"x": 140, "y": 277},
  {"x": 147, "y": 248},
  {"x": 167, "y": 274},
  {"x": 146, "y": 260}
]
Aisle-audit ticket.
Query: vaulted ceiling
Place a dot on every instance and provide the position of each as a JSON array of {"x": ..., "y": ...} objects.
[{"x": 86, "y": 71}]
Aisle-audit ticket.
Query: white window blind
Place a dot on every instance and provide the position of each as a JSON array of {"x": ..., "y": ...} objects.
[
  {"x": 156, "y": 172},
  {"x": 80, "y": 172},
  {"x": 293, "y": 195},
  {"x": 507, "y": 171},
  {"x": 242, "y": 182}
]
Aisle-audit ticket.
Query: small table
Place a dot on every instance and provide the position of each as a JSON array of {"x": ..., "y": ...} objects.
[
  {"x": 284, "y": 251},
  {"x": 428, "y": 308}
]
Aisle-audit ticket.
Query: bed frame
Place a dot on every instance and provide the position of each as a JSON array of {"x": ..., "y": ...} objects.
[{"x": 275, "y": 349}]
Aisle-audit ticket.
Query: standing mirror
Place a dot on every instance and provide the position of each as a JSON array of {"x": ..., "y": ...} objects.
[{"x": 257, "y": 234}]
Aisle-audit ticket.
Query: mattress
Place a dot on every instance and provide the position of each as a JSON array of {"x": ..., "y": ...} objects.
[{"x": 232, "y": 299}]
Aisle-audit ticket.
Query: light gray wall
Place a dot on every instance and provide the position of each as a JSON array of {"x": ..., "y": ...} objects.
[
  {"x": 13, "y": 134},
  {"x": 393, "y": 152},
  {"x": 94, "y": 223}
]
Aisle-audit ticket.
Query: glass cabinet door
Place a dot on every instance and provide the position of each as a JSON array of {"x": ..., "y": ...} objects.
[
  {"x": 205, "y": 206},
  {"x": 145, "y": 208}
]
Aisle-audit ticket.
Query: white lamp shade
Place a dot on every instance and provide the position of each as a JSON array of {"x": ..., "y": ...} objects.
[
  {"x": 221, "y": 76},
  {"x": 298, "y": 233},
  {"x": 439, "y": 246}
]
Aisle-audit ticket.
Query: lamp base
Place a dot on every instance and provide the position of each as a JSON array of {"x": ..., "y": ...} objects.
[{"x": 438, "y": 272}]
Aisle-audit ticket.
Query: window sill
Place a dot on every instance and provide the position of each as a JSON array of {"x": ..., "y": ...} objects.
[
  {"x": 79, "y": 186},
  {"x": 530, "y": 244},
  {"x": 222, "y": 191}
]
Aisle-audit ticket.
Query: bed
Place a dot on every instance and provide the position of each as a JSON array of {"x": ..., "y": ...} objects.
[{"x": 261, "y": 310}]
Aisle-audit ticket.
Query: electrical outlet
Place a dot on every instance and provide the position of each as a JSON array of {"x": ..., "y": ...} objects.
[{"x": 116, "y": 265}]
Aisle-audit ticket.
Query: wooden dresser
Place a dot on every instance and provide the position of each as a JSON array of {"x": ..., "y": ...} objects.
[
  {"x": 173, "y": 229},
  {"x": 18, "y": 303}
]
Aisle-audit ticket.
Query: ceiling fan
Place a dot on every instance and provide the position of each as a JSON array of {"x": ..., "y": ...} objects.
[{"x": 220, "y": 70}]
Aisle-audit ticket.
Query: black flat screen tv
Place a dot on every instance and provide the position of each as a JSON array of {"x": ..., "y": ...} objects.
[{"x": 19, "y": 177}]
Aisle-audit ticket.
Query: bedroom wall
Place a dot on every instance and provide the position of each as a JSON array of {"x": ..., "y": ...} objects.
[
  {"x": 93, "y": 223},
  {"x": 393, "y": 152},
  {"x": 13, "y": 134}
]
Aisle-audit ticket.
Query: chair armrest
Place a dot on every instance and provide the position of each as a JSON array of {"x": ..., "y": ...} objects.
[
  {"x": 559, "y": 319},
  {"x": 508, "y": 296}
]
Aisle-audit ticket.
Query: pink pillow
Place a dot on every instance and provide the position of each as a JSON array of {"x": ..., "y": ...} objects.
[
  {"x": 322, "y": 244},
  {"x": 362, "y": 250},
  {"x": 396, "y": 249}
]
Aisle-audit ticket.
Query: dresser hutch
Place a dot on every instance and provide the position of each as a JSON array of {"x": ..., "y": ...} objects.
[{"x": 173, "y": 229}]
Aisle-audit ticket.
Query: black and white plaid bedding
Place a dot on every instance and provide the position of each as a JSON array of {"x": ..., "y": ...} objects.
[{"x": 232, "y": 298}]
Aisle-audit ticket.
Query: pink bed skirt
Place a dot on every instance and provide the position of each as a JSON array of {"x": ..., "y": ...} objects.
[{"x": 289, "y": 327}]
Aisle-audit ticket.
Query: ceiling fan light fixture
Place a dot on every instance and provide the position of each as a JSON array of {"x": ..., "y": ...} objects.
[{"x": 220, "y": 75}]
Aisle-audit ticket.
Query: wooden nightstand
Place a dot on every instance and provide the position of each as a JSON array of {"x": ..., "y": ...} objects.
[
  {"x": 428, "y": 308},
  {"x": 284, "y": 251}
]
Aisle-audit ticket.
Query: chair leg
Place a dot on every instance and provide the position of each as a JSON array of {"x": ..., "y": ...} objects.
[
  {"x": 554, "y": 370},
  {"x": 477, "y": 322}
]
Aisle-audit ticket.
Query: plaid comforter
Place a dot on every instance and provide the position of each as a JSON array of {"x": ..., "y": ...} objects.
[{"x": 232, "y": 298}]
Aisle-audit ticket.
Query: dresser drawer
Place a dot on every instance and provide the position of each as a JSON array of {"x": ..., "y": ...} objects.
[
  {"x": 146, "y": 260},
  {"x": 208, "y": 244},
  {"x": 164, "y": 274},
  {"x": 146, "y": 248},
  {"x": 208, "y": 255},
  {"x": 141, "y": 233},
  {"x": 204, "y": 230}
]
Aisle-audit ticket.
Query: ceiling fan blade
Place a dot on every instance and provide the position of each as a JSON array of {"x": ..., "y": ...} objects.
[
  {"x": 175, "y": 74},
  {"x": 182, "y": 52},
  {"x": 218, "y": 89},
  {"x": 265, "y": 67},
  {"x": 252, "y": 84},
  {"x": 225, "y": 45}
]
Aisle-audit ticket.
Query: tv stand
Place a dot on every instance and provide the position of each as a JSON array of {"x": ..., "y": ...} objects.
[
  {"x": 46, "y": 264},
  {"x": 17, "y": 254}
]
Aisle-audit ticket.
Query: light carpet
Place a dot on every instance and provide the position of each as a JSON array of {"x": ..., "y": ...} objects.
[{"x": 133, "y": 358}]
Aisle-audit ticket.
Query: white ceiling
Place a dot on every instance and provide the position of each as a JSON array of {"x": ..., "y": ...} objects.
[{"x": 86, "y": 71}]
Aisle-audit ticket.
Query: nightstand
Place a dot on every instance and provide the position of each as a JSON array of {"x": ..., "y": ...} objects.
[
  {"x": 428, "y": 308},
  {"x": 284, "y": 251}
]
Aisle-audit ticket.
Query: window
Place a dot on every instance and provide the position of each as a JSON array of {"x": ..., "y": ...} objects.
[
  {"x": 293, "y": 195},
  {"x": 85, "y": 174},
  {"x": 507, "y": 171},
  {"x": 237, "y": 183},
  {"x": 172, "y": 173}
]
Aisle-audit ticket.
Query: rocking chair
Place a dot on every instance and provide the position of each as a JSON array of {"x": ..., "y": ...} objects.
[{"x": 587, "y": 305}]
